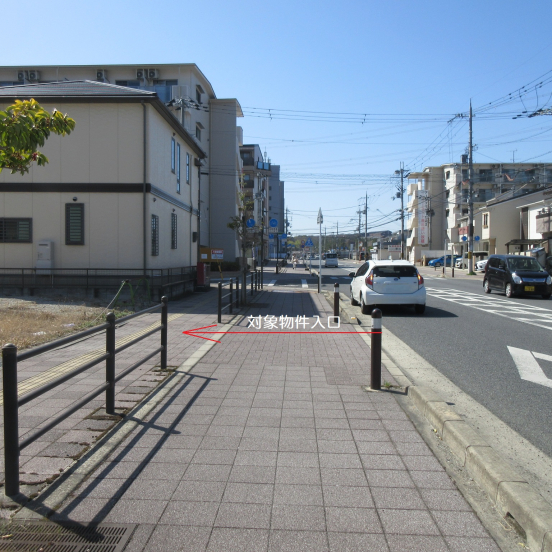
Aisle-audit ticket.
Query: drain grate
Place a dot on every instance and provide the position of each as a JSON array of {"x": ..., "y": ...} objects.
[{"x": 64, "y": 537}]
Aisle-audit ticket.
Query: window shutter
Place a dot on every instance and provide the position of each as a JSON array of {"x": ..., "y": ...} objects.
[{"x": 74, "y": 224}]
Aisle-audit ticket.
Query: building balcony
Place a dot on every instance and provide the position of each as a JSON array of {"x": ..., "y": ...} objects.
[{"x": 544, "y": 222}]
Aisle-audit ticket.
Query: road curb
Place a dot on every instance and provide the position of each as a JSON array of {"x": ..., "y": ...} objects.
[{"x": 518, "y": 502}]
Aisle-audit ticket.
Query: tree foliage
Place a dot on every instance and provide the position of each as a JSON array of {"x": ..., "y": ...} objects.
[{"x": 24, "y": 128}]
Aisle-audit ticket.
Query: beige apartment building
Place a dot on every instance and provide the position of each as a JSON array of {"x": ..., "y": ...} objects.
[
  {"x": 446, "y": 190},
  {"x": 121, "y": 191},
  {"x": 207, "y": 122}
]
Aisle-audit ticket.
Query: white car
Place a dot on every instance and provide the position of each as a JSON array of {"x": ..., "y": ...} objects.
[
  {"x": 331, "y": 260},
  {"x": 387, "y": 283},
  {"x": 480, "y": 265}
]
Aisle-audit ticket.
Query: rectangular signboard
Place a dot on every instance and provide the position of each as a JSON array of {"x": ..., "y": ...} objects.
[
  {"x": 217, "y": 254},
  {"x": 423, "y": 219},
  {"x": 394, "y": 247}
]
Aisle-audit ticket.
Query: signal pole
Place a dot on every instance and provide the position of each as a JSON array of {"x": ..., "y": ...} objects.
[{"x": 470, "y": 197}]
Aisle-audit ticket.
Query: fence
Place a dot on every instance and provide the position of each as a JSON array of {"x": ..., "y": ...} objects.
[
  {"x": 10, "y": 358},
  {"x": 158, "y": 280},
  {"x": 232, "y": 298}
]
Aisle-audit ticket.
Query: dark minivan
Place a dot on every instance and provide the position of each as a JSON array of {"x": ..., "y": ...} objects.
[{"x": 516, "y": 275}]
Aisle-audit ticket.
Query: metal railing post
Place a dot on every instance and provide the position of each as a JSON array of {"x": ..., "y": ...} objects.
[
  {"x": 164, "y": 330},
  {"x": 231, "y": 295},
  {"x": 375, "y": 349},
  {"x": 251, "y": 274},
  {"x": 11, "y": 420},
  {"x": 336, "y": 302},
  {"x": 219, "y": 308},
  {"x": 110, "y": 364},
  {"x": 238, "y": 292}
]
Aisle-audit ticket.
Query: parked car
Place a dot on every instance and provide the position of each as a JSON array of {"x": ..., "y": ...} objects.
[
  {"x": 480, "y": 265},
  {"x": 477, "y": 256},
  {"x": 516, "y": 275},
  {"x": 331, "y": 260},
  {"x": 387, "y": 283},
  {"x": 439, "y": 262}
]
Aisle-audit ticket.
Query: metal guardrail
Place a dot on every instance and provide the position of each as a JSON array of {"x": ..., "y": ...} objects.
[{"x": 10, "y": 358}]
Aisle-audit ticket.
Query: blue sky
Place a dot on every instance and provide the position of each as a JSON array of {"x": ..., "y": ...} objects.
[{"x": 409, "y": 66}]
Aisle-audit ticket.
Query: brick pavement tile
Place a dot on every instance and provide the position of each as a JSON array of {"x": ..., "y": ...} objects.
[
  {"x": 423, "y": 463},
  {"x": 238, "y": 540},
  {"x": 443, "y": 500},
  {"x": 297, "y": 476},
  {"x": 163, "y": 470},
  {"x": 101, "y": 488},
  {"x": 190, "y": 442},
  {"x": 177, "y": 538},
  {"x": 332, "y": 423},
  {"x": 432, "y": 480},
  {"x": 45, "y": 465},
  {"x": 352, "y": 477},
  {"x": 331, "y": 460},
  {"x": 354, "y": 520},
  {"x": 212, "y": 443},
  {"x": 298, "y": 459},
  {"x": 261, "y": 432},
  {"x": 253, "y": 474},
  {"x": 298, "y": 518},
  {"x": 132, "y": 454},
  {"x": 413, "y": 449},
  {"x": 354, "y": 542},
  {"x": 413, "y": 543},
  {"x": 179, "y": 456},
  {"x": 255, "y": 458},
  {"x": 85, "y": 509},
  {"x": 466, "y": 544},
  {"x": 136, "y": 511},
  {"x": 459, "y": 524},
  {"x": 199, "y": 491},
  {"x": 298, "y": 541},
  {"x": 354, "y": 497},
  {"x": 225, "y": 431},
  {"x": 337, "y": 447},
  {"x": 158, "y": 489},
  {"x": 297, "y": 445},
  {"x": 118, "y": 470},
  {"x": 382, "y": 462},
  {"x": 389, "y": 478},
  {"x": 407, "y": 499},
  {"x": 214, "y": 456},
  {"x": 297, "y": 433},
  {"x": 251, "y": 516},
  {"x": 308, "y": 495},
  {"x": 251, "y": 443},
  {"x": 252, "y": 493},
  {"x": 140, "y": 538},
  {"x": 334, "y": 434},
  {"x": 185, "y": 512},
  {"x": 207, "y": 472},
  {"x": 407, "y": 522}
]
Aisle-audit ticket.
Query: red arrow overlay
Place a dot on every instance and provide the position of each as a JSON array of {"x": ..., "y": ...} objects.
[{"x": 195, "y": 331}]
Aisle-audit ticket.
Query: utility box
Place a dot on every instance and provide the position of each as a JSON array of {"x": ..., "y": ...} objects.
[
  {"x": 44, "y": 257},
  {"x": 203, "y": 276}
]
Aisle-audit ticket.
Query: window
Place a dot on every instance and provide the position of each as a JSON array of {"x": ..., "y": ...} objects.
[
  {"x": 129, "y": 83},
  {"x": 74, "y": 224},
  {"x": 177, "y": 168},
  {"x": 198, "y": 132},
  {"x": 173, "y": 231},
  {"x": 486, "y": 220},
  {"x": 187, "y": 168},
  {"x": 173, "y": 145},
  {"x": 154, "y": 235},
  {"x": 15, "y": 230},
  {"x": 199, "y": 91},
  {"x": 447, "y": 175}
]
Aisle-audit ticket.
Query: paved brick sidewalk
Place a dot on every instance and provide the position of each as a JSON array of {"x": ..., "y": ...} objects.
[
  {"x": 56, "y": 450},
  {"x": 271, "y": 443}
]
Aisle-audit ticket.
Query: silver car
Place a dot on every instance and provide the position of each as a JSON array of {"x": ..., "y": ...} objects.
[{"x": 387, "y": 283}]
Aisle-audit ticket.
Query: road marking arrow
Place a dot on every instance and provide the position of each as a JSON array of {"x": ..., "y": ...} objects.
[
  {"x": 528, "y": 367},
  {"x": 202, "y": 330}
]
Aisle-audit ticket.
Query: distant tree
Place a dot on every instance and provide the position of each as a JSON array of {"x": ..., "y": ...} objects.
[{"x": 24, "y": 127}]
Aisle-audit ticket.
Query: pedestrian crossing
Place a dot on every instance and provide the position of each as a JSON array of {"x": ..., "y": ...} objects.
[{"x": 499, "y": 306}]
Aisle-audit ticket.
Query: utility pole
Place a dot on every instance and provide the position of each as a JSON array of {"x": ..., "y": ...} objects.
[
  {"x": 470, "y": 197},
  {"x": 402, "y": 211},
  {"x": 319, "y": 222},
  {"x": 359, "y": 233},
  {"x": 366, "y": 223}
]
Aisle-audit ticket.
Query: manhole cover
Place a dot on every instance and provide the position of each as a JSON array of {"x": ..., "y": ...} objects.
[{"x": 64, "y": 537}]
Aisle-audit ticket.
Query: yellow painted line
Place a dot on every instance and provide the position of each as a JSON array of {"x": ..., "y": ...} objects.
[{"x": 28, "y": 385}]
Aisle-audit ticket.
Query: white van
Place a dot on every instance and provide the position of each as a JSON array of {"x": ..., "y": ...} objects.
[{"x": 331, "y": 260}]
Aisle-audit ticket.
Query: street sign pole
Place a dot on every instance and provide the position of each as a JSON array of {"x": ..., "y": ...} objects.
[{"x": 320, "y": 220}]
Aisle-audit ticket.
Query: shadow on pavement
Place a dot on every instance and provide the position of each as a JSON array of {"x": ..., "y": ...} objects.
[{"x": 401, "y": 312}]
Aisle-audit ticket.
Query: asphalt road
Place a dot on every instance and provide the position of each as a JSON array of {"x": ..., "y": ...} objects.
[{"x": 465, "y": 334}]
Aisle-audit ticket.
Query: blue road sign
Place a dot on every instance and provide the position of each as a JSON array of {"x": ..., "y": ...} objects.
[
  {"x": 250, "y": 223},
  {"x": 271, "y": 236},
  {"x": 476, "y": 238},
  {"x": 283, "y": 236},
  {"x": 464, "y": 238},
  {"x": 309, "y": 243},
  {"x": 273, "y": 223}
]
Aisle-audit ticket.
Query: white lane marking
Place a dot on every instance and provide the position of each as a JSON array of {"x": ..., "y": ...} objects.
[
  {"x": 512, "y": 310},
  {"x": 334, "y": 277},
  {"x": 304, "y": 283},
  {"x": 528, "y": 367},
  {"x": 272, "y": 282}
]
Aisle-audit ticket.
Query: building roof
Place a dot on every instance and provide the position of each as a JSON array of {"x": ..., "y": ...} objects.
[{"x": 71, "y": 89}]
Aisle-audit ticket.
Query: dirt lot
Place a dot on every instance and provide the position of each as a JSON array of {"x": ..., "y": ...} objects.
[{"x": 28, "y": 323}]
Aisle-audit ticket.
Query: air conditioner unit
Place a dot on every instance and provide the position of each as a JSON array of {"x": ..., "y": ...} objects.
[
  {"x": 153, "y": 74},
  {"x": 101, "y": 75},
  {"x": 141, "y": 74},
  {"x": 21, "y": 75},
  {"x": 34, "y": 75}
]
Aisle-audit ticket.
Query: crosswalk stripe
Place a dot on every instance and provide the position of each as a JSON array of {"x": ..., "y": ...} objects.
[
  {"x": 272, "y": 282},
  {"x": 304, "y": 283}
]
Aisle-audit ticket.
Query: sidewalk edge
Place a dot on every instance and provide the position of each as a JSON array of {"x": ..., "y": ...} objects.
[{"x": 510, "y": 493}]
